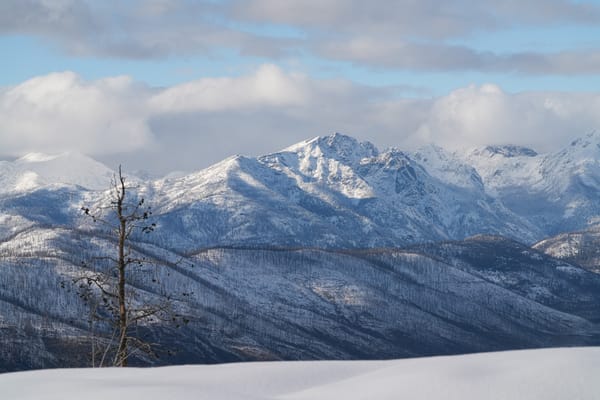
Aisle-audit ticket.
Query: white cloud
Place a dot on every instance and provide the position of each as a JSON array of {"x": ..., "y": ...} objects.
[
  {"x": 136, "y": 29},
  {"x": 394, "y": 34},
  {"x": 267, "y": 86},
  {"x": 60, "y": 112},
  {"x": 417, "y": 35},
  {"x": 423, "y": 18},
  {"x": 191, "y": 125},
  {"x": 439, "y": 56},
  {"x": 481, "y": 115},
  {"x": 377, "y": 51}
]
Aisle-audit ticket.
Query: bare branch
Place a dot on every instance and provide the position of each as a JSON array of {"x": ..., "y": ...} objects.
[{"x": 124, "y": 216}]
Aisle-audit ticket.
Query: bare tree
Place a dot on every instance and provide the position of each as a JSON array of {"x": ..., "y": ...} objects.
[{"x": 108, "y": 292}]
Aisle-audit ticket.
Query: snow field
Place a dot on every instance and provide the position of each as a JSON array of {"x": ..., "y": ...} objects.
[{"x": 566, "y": 373}]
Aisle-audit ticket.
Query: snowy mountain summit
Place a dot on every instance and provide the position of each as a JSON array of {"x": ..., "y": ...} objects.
[
  {"x": 556, "y": 191},
  {"x": 329, "y": 249},
  {"x": 336, "y": 191}
]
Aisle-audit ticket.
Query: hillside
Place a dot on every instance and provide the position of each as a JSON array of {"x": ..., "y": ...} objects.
[{"x": 329, "y": 249}]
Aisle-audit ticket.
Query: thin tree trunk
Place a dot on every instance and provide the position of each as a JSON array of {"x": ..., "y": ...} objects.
[{"x": 122, "y": 350}]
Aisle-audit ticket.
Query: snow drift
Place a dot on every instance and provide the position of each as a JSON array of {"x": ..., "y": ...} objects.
[{"x": 534, "y": 374}]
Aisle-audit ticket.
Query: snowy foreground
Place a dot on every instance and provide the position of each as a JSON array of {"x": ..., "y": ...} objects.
[{"x": 533, "y": 374}]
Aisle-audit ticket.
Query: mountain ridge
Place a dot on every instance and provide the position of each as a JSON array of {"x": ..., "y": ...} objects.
[
  {"x": 336, "y": 191},
  {"x": 329, "y": 249}
]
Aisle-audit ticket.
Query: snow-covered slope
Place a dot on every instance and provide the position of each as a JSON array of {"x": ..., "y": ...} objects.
[
  {"x": 272, "y": 281},
  {"x": 36, "y": 170},
  {"x": 483, "y": 294},
  {"x": 337, "y": 192},
  {"x": 555, "y": 374},
  {"x": 448, "y": 168},
  {"x": 556, "y": 192},
  {"x": 329, "y": 192},
  {"x": 581, "y": 247}
]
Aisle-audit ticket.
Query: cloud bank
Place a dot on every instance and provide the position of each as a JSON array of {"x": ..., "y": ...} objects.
[
  {"x": 61, "y": 111},
  {"x": 193, "y": 124},
  {"x": 393, "y": 34}
]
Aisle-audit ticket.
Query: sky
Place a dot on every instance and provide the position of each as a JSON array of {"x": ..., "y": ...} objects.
[{"x": 165, "y": 85}]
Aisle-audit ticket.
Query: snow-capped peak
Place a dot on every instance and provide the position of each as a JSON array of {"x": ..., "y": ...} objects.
[
  {"x": 338, "y": 146},
  {"x": 35, "y": 170},
  {"x": 343, "y": 185},
  {"x": 517, "y": 166},
  {"x": 448, "y": 167}
]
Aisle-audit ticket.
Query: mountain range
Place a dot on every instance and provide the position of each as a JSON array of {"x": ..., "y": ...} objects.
[
  {"x": 329, "y": 248},
  {"x": 337, "y": 192}
]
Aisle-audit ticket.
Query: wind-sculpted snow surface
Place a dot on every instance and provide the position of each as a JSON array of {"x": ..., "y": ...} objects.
[{"x": 555, "y": 374}]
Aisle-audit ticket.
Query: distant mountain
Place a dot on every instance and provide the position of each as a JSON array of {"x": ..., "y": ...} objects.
[
  {"x": 331, "y": 192},
  {"x": 37, "y": 170},
  {"x": 323, "y": 191},
  {"x": 329, "y": 248},
  {"x": 556, "y": 192},
  {"x": 337, "y": 192}
]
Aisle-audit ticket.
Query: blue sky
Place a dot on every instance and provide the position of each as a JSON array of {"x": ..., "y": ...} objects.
[
  {"x": 400, "y": 73},
  {"x": 32, "y": 55}
]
